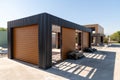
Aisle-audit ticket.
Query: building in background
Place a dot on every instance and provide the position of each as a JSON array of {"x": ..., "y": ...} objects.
[{"x": 97, "y": 34}]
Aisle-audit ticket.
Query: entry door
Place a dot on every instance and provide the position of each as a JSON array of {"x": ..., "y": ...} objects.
[{"x": 79, "y": 40}]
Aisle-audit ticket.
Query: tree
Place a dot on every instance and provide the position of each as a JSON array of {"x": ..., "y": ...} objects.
[
  {"x": 3, "y": 29},
  {"x": 106, "y": 40},
  {"x": 115, "y": 36}
]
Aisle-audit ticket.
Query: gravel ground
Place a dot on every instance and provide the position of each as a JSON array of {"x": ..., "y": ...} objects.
[{"x": 101, "y": 65}]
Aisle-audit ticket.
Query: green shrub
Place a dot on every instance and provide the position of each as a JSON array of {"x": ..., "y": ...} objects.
[
  {"x": 3, "y": 29},
  {"x": 105, "y": 40},
  {"x": 118, "y": 41}
]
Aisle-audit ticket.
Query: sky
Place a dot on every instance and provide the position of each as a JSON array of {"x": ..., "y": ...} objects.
[{"x": 103, "y": 12}]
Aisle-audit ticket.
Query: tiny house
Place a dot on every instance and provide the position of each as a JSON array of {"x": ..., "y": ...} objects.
[{"x": 43, "y": 39}]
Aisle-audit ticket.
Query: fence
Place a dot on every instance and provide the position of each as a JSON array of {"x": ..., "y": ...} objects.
[{"x": 3, "y": 38}]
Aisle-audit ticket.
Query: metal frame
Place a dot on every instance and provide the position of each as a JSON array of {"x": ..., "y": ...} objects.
[{"x": 44, "y": 22}]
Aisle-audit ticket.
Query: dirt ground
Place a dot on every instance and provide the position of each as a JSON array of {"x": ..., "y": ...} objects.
[{"x": 101, "y": 65}]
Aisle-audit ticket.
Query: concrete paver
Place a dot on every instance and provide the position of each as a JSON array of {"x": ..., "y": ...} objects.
[{"x": 12, "y": 70}]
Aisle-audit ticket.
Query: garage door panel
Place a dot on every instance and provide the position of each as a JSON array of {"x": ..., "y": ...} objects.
[
  {"x": 26, "y": 43},
  {"x": 85, "y": 39},
  {"x": 68, "y": 41}
]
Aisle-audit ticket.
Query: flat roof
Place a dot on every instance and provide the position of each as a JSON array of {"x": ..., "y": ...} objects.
[{"x": 48, "y": 18}]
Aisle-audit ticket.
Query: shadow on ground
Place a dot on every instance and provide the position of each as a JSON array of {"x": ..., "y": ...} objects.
[
  {"x": 115, "y": 45},
  {"x": 95, "y": 66}
]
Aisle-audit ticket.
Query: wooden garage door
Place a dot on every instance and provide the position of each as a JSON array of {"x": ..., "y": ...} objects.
[
  {"x": 26, "y": 43},
  {"x": 68, "y": 41},
  {"x": 85, "y": 39}
]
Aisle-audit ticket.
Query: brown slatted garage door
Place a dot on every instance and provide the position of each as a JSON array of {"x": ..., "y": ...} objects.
[
  {"x": 85, "y": 39},
  {"x": 26, "y": 43},
  {"x": 68, "y": 41}
]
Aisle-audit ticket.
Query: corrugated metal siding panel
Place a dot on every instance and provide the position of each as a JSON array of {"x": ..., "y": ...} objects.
[
  {"x": 26, "y": 43},
  {"x": 3, "y": 38}
]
